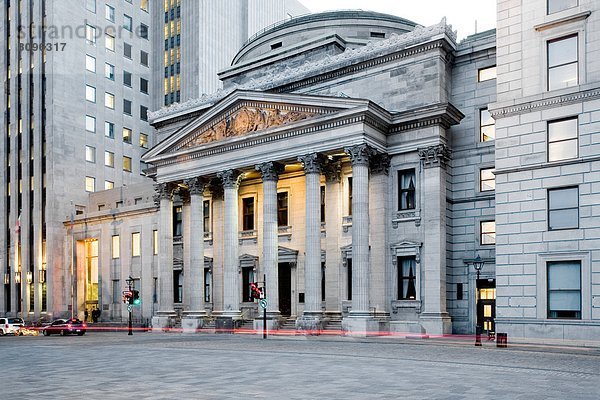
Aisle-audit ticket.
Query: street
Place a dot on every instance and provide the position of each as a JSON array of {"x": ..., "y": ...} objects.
[{"x": 112, "y": 365}]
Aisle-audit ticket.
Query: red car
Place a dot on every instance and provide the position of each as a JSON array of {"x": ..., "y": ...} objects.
[{"x": 65, "y": 327}]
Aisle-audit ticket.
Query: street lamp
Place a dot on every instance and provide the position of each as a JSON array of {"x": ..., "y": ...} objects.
[{"x": 478, "y": 265}]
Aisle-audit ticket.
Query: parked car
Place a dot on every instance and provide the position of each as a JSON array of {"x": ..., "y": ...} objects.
[
  {"x": 65, "y": 327},
  {"x": 10, "y": 325},
  {"x": 27, "y": 331}
]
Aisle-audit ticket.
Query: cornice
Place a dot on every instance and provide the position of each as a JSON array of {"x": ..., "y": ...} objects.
[{"x": 560, "y": 100}]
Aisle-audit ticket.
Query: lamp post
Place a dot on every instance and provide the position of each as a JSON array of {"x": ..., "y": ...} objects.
[{"x": 478, "y": 265}]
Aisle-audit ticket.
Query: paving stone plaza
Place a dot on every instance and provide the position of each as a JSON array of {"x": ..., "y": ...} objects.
[{"x": 179, "y": 366}]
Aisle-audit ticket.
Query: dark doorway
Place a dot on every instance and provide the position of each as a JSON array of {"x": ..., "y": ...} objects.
[
  {"x": 486, "y": 306},
  {"x": 285, "y": 289}
]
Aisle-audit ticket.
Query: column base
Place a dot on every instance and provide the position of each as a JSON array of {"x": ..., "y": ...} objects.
[
  {"x": 226, "y": 324},
  {"x": 163, "y": 321},
  {"x": 364, "y": 326},
  {"x": 436, "y": 323},
  {"x": 309, "y": 323},
  {"x": 192, "y": 321}
]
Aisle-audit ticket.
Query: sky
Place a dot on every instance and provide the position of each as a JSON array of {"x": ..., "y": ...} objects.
[{"x": 461, "y": 14}]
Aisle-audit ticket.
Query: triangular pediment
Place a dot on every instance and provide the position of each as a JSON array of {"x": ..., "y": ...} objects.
[{"x": 245, "y": 113}]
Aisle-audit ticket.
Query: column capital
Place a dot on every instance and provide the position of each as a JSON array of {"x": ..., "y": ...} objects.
[
  {"x": 196, "y": 185},
  {"x": 163, "y": 191},
  {"x": 380, "y": 164},
  {"x": 216, "y": 188},
  {"x": 270, "y": 170},
  {"x": 333, "y": 171},
  {"x": 231, "y": 178},
  {"x": 313, "y": 163},
  {"x": 435, "y": 156},
  {"x": 360, "y": 154}
]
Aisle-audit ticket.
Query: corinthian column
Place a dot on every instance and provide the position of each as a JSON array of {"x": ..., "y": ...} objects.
[
  {"x": 312, "y": 261},
  {"x": 270, "y": 175},
  {"x": 231, "y": 291},
  {"x": 359, "y": 157},
  {"x": 194, "y": 273},
  {"x": 166, "y": 312}
]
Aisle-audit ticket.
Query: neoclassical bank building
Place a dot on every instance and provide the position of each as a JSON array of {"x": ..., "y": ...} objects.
[{"x": 351, "y": 165}]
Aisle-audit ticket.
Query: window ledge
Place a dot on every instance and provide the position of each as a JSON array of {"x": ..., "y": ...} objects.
[
  {"x": 404, "y": 304},
  {"x": 285, "y": 232},
  {"x": 407, "y": 216},
  {"x": 561, "y": 21},
  {"x": 248, "y": 235},
  {"x": 346, "y": 223},
  {"x": 208, "y": 237}
]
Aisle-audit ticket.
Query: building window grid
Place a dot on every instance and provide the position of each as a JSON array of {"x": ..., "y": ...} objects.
[
  {"x": 487, "y": 180},
  {"x": 406, "y": 190},
  {"x": 487, "y": 234},
  {"x": 486, "y": 74},
  {"x": 563, "y": 289},
  {"x": 554, "y": 6},
  {"x": 487, "y": 126},
  {"x": 563, "y": 139},
  {"x": 282, "y": 209},
  {"x": 563, "y": 62},
  {"x": 563, "y": 208},
  {"x": 407, "y": 278}
]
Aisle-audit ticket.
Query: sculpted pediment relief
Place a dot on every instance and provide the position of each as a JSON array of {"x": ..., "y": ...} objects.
[{"x": 243, "y": 121}]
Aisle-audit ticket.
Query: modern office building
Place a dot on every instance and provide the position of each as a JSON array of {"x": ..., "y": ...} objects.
[
  {"x": 197, "y": 39},
  {"x": 78, "y": 79},
  {"x": 77, "y": 91}
]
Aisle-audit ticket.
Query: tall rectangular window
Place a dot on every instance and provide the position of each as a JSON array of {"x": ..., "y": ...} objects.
[
  {"x": 487, "y": 232},
  {"x": 127, "y": 22},
  {"x": 143, "y": 141},
  {"x": 90, "y": 63},
  {"x": 90, "y": 154},
  {"x": 109, "y": 13},
  {"x": 127, "y": 50},
  {"x": 563, "y": 208},
  {"x": 564, "y": 289},
  {"x": 322, "y": 204},
  {"x": 487, "y": 126},
  {"x": 116, "y": 246},
  {"x": 144, "y": 85},
  {"x": 349, "y": 279},
  {"x": 144, "y": 31},
  {"x": 109, "y": 42},
  {"x": 177, "y": 221},
  {"x": 109, "y": 71},
  {"x": 350, "y": 196},
  {"x": 407, "y": 278},
  {"x": 155, "y": 242},
  {"x": 109, "y": 100},
  {"x": 282, "y": 209},
  {"x": 90, "y": 123},
  {"x": 127, "y": 78},
  {"x": 136, "y": 249},
  {"x": 90, "y": 34},
  {"x": 90, "y": 93},
  {"x": 247, "y": 279},
  {"x": 126, "y": 164},
  {"x": 144, "y": 113},
  {"x": 109, "y": 130},
  {"x": 487, "y": 180},
  {"x": 109, "y": 159},
  {"x": 177, "y": 286},
  {"x": 248, "y": 214},
  {"x": 127, "y": 135},
  {"x": 486, "y": 74},
  {"x": 90, "y": 5},
  {"x": 90, "y": 184},
  {"x": 116, "y": 292},
  {"x": 144, "y": 58},
  {"x": 563, "y": 63},
  {"x": 555, "y": 6},
  {"x": 207, "y": 284},
  {"x": 206, "y": 216},
  {"x": 406, "y": 190},
  {"x": 108, "y": 185},
  {"x": 563, "y": 141},
  {"x": 144, "y": 5},
  {"x": 126, "y": 107}
]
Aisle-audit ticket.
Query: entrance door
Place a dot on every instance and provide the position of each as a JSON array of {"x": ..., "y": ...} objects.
[
  {"x": 285, "y": 289},
  {"x": 486, "y": 308}
]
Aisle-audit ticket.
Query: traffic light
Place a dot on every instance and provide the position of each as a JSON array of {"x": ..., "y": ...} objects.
[
  {"x": 127, "y": 297},
  {"x": 255, "y": 290},
  {"x": 136, "y": 297}
]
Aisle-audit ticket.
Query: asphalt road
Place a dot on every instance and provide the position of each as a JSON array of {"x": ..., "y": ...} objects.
[{"x": 203, "y": 366}]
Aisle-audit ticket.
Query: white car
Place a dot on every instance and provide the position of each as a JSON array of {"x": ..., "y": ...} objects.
[{"x": 10, "y": 325}]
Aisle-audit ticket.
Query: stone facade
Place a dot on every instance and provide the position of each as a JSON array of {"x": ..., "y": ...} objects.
[{"x": 361, "y": 175}]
